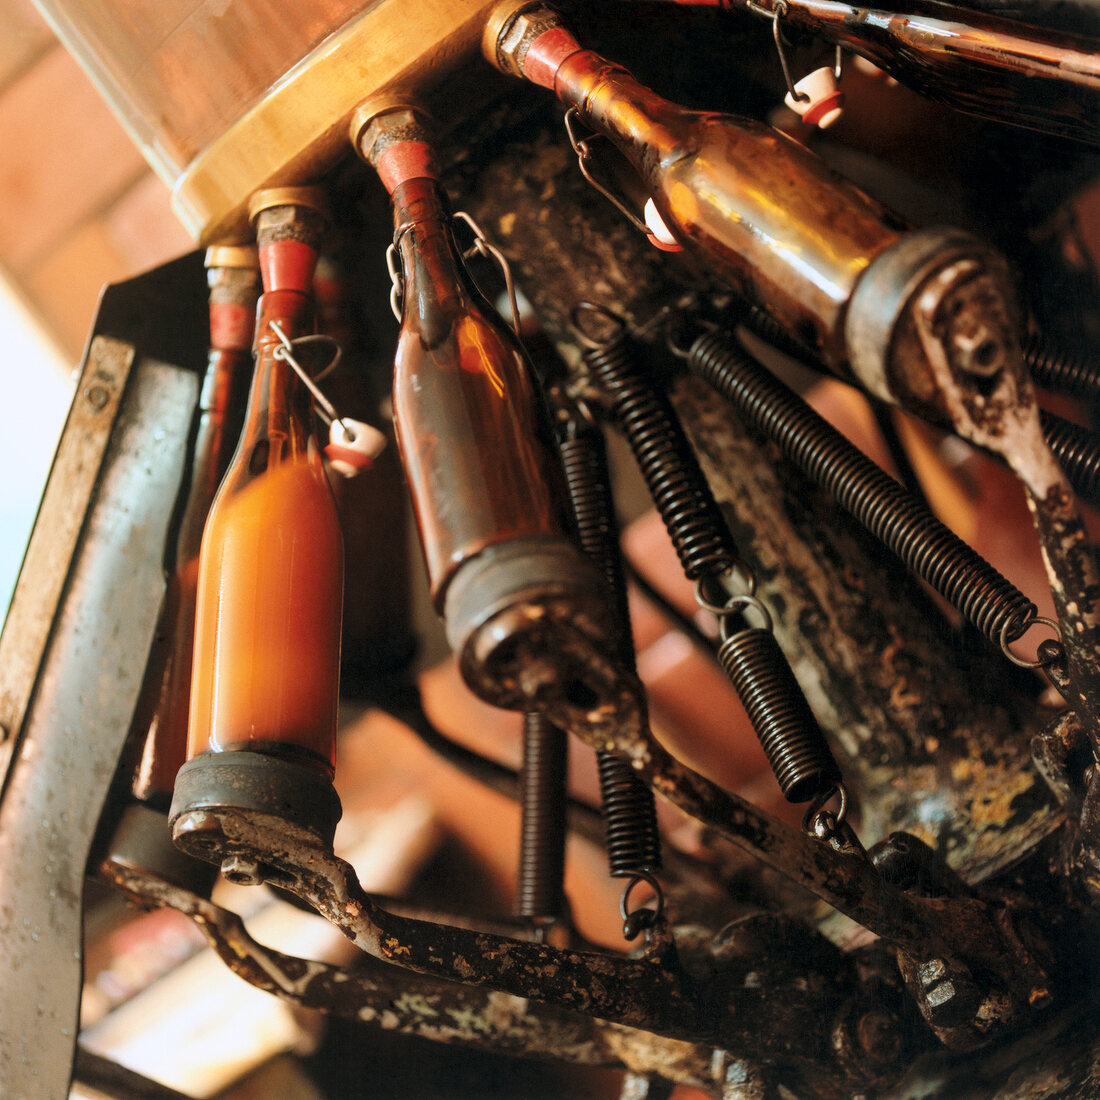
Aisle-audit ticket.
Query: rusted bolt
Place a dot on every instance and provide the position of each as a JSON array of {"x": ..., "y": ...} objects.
[
  {"x": 745, "y": 1081},
  {"x": 242, "y": 871},
  {"x": 878, "y": 1036},
  {"x": 941, "y": 995},
  {"x": 97, "y": 396},
  {"x": 949, "y": 998},
  {"x": 931, "y": 972},
  {"x": 979, "y": 352},
  {"x": 537, "y": 676}
]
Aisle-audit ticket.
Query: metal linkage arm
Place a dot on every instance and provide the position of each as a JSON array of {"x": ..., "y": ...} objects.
[
  {"x": 934, "y": 329},
  {"x": 394, "y": 1000},
  {"x": 648, "y": 992}
]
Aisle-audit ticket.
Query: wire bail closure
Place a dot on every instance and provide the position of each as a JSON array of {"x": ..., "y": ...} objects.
[
  {"x": 652, "y": 224},
  {"x": 584, "y": 155},
  {"x": 777, "y": 12},
  {"x": 353, "y": 445},
  {"x": 397, "y": 280},
  {"x": 821, "y": 109},
  {"x": 482, "y": 246}
]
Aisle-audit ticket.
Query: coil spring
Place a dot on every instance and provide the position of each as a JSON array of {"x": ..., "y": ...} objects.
[
  {"x": 765, "y": 326},
  {"x": 668, "y": 464},
  {"x": 879, "y": 503},
  {"x": 780, "y": 715},
  {"x": 791, "y": 738},
  {"x": 1078, "y": 453},
  {"x": 1060, "y": 372},
  {"x": 584, "y": 462},
  {"x": 539, "y": 894},
  {"x": 633, "y": 841}
]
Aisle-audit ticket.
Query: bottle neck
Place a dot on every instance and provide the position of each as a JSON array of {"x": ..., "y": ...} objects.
[
  {"x": 606, "y": 96},
  {"x": 611, "y": 101},
  {"x": 234, "y": 292},
  {"x": 436, "y": 286},
  {"x": 278, "y": 403}
]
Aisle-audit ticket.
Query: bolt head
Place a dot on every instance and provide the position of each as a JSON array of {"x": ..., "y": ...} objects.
[
  {"x": 931, "y": 972},
  {"x": 878, "y": 1035},
  {"x": 97, "y": 396},
  {"x": 510, "y": 29},
  {"x": 242, "y": 871}
]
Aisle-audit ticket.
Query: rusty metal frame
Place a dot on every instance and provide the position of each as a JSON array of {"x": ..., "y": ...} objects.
[{"x": 74, "y": 664}]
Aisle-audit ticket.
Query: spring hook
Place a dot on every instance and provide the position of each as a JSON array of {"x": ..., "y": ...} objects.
[
  {"x": 636, "y": 921},
  {"x": 1050, "y": 652},
  {"x": 831, "y": 827},
  {"x": 633, "y": 841},
  {"x": 823, "y": 823},
  {"x": 729, "y": 599}
]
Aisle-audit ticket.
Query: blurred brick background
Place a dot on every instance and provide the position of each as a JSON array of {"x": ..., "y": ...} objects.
[{"x": 78, "y": 205}]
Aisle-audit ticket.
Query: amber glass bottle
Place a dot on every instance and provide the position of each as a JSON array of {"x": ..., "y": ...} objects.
[
  {"x": 760, "y": 210},
  {"x": 267, "y": 631},
  {"x": 234, "y": 280},
  {"x": 460, "y": 385},
  {"x": 465, "y": 408},
  {"x": 526, "y": 614},
  {"x": 974, "y": 61}
]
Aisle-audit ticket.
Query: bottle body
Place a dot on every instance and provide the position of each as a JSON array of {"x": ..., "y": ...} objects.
[
  {"x": 465, "y": 409},
  {"x": 267, "y": 631},
  {"x": 765, "y": 214},
  {"x": 167, "y": 738}
]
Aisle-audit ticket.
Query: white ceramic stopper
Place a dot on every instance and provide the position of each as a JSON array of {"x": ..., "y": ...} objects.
[
  {"x": 659, "y": 233},
  {"x": 825, "y": 103},
  {"x": 353, "y": 446}
]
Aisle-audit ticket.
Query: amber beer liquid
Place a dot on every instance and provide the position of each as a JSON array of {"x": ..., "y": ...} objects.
[
  {"x": 268, "y": 605},
  {"x": 267, "y": 631}
]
